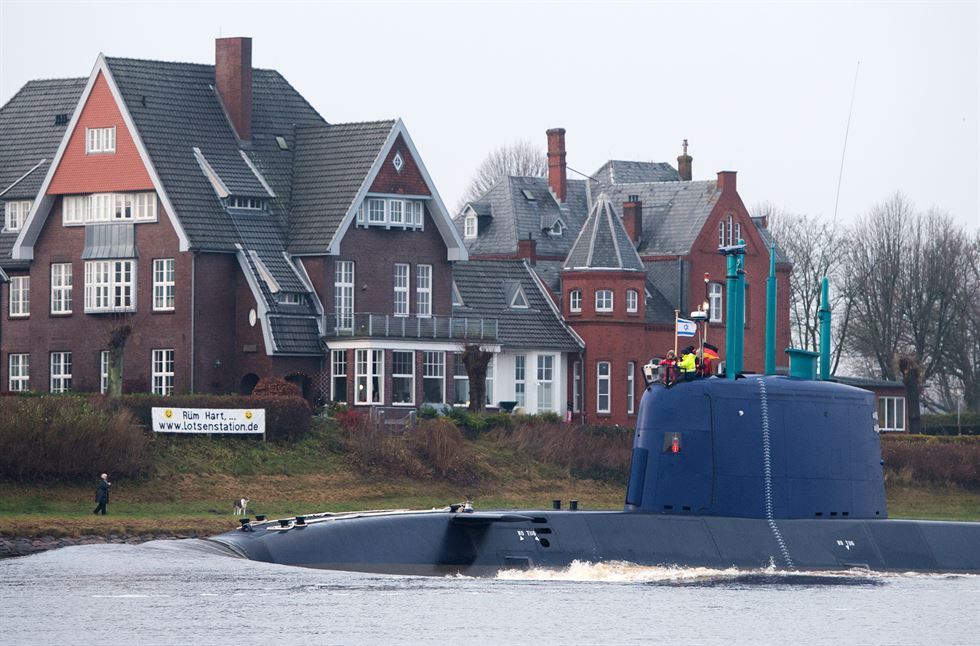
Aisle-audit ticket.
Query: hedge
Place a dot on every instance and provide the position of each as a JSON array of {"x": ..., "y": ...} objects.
[{"x": 946, "y": 424}]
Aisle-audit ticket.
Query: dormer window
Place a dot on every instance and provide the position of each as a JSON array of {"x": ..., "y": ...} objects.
[
  {"x": 253, "y": 203},
  {"x": 457, "y": 297},
  {"x": 470, "y": 226},
  {"x": 519, "y": 300},
  {"x": 16, "y": 214},
  {"x": 290, "y": 298},
  {"x": 556, "y": 229},
  {"x": 378, "y": 211},
  {"x": 100, "y": 140}
]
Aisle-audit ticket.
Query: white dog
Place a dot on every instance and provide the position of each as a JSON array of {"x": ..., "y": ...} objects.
[{"x": 241, "y": 507}]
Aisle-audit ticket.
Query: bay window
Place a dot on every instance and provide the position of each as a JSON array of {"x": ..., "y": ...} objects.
[{"x": 110, "y": 286}]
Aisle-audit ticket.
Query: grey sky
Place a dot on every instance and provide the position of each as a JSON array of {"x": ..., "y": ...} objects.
[{"x": 761, "y": 88}]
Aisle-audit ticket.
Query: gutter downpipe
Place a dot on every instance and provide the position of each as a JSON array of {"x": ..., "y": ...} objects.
[
  {"x": 771, "y": 313},
  {"x": 824, "y": 316}
]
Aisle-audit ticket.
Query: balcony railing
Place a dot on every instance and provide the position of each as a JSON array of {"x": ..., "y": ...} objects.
[{"x": 363, "y": 324}]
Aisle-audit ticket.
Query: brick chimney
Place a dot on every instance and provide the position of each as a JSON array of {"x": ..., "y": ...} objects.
[
  {"x": 633, "y": 218},
  {"x": 684, "y": 164},
  {"x": 556, "y": 163},
  {"x": 528, "y": 249},
  {"x": 726, "y": 180},
  {"x": 233, "y": 80}
]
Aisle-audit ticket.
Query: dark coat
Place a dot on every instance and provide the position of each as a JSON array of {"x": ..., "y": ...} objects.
[{"x": 102, "y": 492}]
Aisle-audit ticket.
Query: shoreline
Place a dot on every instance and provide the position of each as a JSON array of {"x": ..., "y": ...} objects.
[{"x": 14, "y": 546}]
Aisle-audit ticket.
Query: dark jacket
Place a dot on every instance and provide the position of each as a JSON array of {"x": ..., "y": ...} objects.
[{"x": 102, "y": 492}]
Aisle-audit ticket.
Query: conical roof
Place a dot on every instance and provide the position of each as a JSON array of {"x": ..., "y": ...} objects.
[{"x": 603, "y": 242}]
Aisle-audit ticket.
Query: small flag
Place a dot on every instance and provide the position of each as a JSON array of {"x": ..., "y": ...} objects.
[{"x": 686, "y": 328}]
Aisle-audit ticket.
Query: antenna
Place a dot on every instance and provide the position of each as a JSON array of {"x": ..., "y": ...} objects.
[{"x": 847, "y": 129}]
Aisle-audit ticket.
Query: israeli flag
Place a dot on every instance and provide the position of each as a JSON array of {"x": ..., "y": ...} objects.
[{"x": 686, "y": 328}]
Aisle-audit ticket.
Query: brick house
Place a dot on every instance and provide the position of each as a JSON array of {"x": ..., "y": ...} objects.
[
  {"x": 237, "y": 233},
  {"x": 620, "y": 252}
]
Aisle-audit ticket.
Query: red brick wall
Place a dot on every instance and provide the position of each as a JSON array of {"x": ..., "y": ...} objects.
[
  {"x": 407, "y": 182},
  {"x": 122, "y": 170}
]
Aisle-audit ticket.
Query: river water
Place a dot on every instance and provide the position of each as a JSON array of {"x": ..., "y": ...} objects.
[{"x": 186, "y": 592}]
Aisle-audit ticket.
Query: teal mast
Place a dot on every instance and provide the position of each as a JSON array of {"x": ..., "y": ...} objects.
[
  {"x": 771, "y": 313},
  {"x": 735, "y": 307},
  {"x": 824, "y": 316}
]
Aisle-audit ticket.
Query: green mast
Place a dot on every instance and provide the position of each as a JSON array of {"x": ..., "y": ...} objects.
[
  {"x": 735, "y": 307},
  {"x": 771, "y": 313},
  {"x": 824, "y": 316}
]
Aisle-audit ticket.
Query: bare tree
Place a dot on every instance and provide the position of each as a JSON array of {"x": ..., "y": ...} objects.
[
  {"x": 960, "y": 374},
  {"x": 521, "y": 159},
  {"x": 117, "y": 328},
  {"x": 476, "y": 360}
]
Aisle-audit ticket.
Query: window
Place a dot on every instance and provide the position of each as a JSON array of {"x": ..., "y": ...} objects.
[
  {"x": 602, "y": 387},
  {"x": 61, "y": 288},
  {"x": 251, "y": 203},
  {"x": 575, "y": 300},
  {"x": 104, "y": 372},
  {"x": 376, "y": 211},
  {"x": 19, "y": 374},
  {"x": 289, "y": 298},
  {"x": 396, "y": 211},
  {"x": 338, "y": 375},
  {"x": 461, "y": 382},
  {"x": 60, "y": 372},
  {"x": 556, "y": 229},
  {"x": 630, "y": 386},
  {"x": 519, "y": 300},
  {"x": 469, "y": 226},
  {"x": 738, "y": 233},
  {"x": 576, "y": 386},
  {"x": 20, "y": 296},
  {"x": 721, "y": 233},
  {"x": 16, "y": 214},
  {"x": 401, "y": 289},
  {"x": 423, "y": 290},
  {"x": 520, "y": 361},
  {"x": 457, "y": 297},
  {"x": 489, "y": 382},
  {"x": 434, "y": 377},
  {"x": 891, "y": 413},
  {"x": 163, "y": 372},
  {"x": 108, "y": 207},
  {"x": 632, "y": 300},
  {"x": 604, "y": 300},
  {"x": 110, "y": 286},
  {"x": 414, "y": 210},
  {"x": 163, "y": 284},
  {"x": 343, "y": 294},
  {"x": 369, "y": 376},
  {"x": 402, "y": 377},
  {"x": 100, "y": 140},
  {"x": 398, "y": 162},
  {"x": 714, "y": 302},
  {"x": 731, "y": 220},
  {"x": 546, "y": 377}
]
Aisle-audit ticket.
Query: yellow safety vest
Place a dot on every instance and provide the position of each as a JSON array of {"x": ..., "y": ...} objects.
[{"x": 686, "y": 363}]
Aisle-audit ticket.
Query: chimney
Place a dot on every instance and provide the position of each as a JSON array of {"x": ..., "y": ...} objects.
[
  {"x": 684, "y": 164},
  {"x": 633, "y": 218},
  {"x": 726, "y": 180},
  {"x": 233, "y": 80},
  {"x": 528, "y": 249},
  {"x": 556, "y": 163}
]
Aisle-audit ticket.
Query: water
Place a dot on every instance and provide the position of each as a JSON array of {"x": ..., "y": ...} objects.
[{"x": 185, "y": 592}]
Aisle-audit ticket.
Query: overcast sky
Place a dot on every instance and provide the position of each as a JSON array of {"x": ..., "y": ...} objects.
[{"x": 760, "y": 88}]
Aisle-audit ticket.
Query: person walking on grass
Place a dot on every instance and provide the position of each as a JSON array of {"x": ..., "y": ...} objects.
[{"x": 102, "y": 494}]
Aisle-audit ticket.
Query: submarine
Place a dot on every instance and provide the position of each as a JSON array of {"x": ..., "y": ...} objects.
[{"x": 736, "y": 470}]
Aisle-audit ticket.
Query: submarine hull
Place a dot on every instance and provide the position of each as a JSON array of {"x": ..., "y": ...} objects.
[{"x": 480, "y": 544}]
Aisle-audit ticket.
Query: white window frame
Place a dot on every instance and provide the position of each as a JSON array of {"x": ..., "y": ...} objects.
[
  {"x": 164, "y": 284},
  {"x": 602, "y": 378},
  {"x": 403, "y": 275},
  {"x": 110, "y": 286},
  {"x": 18, "y": 372},
  {"x": 520, "y": 379},
  {"x": 460, "y": 376},
  {"x": 162, "y": 367},
  {"x": 890, "y": 407},
  {"x": 79, "y": 210},
  {"x": 61, "y": 288},
  {"x": 15, "y": 214},
  {"x": 396, "y": 212},
  {"x": 519, "y": 300},
  {"x": 721, "y": 233},
  {"x": 434, "y": 369},
  {"x": 546, "y": 382},
  {"x": 470, "y": 227},
  {"x": 576, "y": 386},
  {"x": 715, "y": 303},
  {"x": 61, "y": 368},
  {"x": 414, "y": 213},
  {"x": 19, "y": 293},
  {"x": 603, "y": 304},
  {"x": 377, "y": 212},
  {"x": 369, "y": 366},
  {"x": 488, "y": 381},
  {"x": 423, "y": 291},
  {"x": 575, "y": 300},
  {"x": 338, "y": 367},
  {"x": 632, "y": 301},
  {"x": 343, "y": 294},
  {"x": 100, "y": 140},
  {"x": 104, "y": 371},
  {"x": 410, "y": 376},
  {"x": 630, "y": 387}
]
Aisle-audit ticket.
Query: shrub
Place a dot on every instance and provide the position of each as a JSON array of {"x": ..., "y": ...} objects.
[
  {"x": 947, "y": 424},
  {"x": 67, "y": 438},
  {"x": 275, "y": 387},
  {"x": 935, "y": 460},
  {"x": 427, "y": 412},
  {"x": 439, "y": 443}
]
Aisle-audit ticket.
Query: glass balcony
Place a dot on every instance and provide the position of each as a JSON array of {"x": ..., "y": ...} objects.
[{"x": 366, "y": 325}]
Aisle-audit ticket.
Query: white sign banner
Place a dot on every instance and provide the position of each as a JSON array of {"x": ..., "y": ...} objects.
[{"x": 209, "y": 420}]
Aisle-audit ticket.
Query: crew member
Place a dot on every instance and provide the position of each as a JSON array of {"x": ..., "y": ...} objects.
[
  {"x": 687, "y": 365},
  {"x": 709, "y": 355},
  {"x": 668, "y": 370}
]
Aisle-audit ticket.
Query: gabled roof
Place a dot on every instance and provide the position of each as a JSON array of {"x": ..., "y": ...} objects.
[
  {"x": 603, "y": 243},
  {"x": 487, "y": 287},
  {"x": 29, "y": 138},
  {"x": 617, "y": 171}
]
